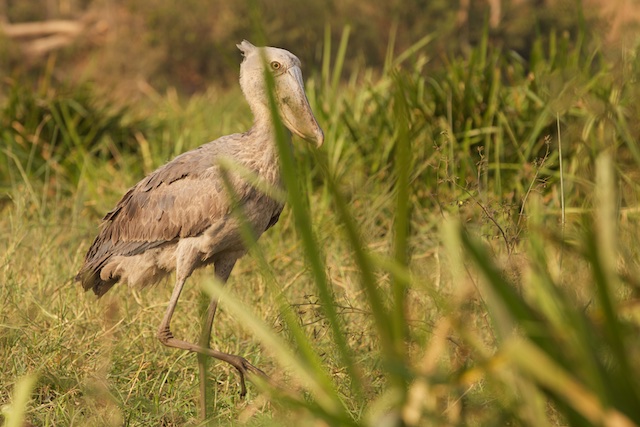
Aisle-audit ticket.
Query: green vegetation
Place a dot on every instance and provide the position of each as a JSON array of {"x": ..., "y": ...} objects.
[
  {"x": 190, "y": 44},
  {"x": 462, "y": 251}
]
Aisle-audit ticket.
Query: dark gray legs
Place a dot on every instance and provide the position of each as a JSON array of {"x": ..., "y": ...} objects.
[{"x": 223, "y": 269}]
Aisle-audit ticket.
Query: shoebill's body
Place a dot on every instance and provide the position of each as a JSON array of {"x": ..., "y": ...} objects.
[{"x": 180, "y": 216}]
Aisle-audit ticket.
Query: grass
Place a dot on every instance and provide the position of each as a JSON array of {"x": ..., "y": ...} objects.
[{"x": 428, "y": 267}]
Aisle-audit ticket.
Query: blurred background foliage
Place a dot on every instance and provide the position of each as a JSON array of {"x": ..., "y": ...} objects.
[{"x": 190, "y": 44}]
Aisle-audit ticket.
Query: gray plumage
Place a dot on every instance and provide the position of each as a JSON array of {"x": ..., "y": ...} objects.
[
  {"x": 180, "y": 216},
  {"x": 183, "y": 206}
]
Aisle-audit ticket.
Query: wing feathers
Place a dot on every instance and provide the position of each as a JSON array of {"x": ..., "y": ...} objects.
[{"x": 180, "y": 199}]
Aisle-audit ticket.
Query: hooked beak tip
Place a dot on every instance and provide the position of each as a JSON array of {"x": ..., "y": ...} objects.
[
  {"x": 315, "y": 135},
  {"x": 319, "y": 139}
]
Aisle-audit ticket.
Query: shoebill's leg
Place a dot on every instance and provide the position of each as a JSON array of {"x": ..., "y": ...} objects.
[
  {"x": 166, "y": 337},
  {"x": 223, "y": 269}
]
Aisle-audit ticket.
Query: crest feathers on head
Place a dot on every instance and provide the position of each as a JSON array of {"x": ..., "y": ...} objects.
[{"x": 245, "y": 47}]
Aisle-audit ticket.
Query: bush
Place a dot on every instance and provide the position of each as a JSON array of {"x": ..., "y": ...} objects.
[{"x": 47, "y": 130}]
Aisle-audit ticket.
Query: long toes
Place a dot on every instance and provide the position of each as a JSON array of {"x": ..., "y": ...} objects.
[
  {"x": 256, "y": 371},
  {"x": 243, "y": 367},
  {"x": 164, "y": 335},
  {"x": 243, "y": 386}
]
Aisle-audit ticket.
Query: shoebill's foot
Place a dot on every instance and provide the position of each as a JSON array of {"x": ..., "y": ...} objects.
[{"x": 242, "y": 365}]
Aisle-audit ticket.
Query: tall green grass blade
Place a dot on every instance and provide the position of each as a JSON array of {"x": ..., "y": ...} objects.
[
  {"x": 286, "y": 311},
  {"x": 391, "y": 44},
  {"x": 604, "y": 253},
  {"x": 620, "y": 378},
  {"x": 340, "y": 56},
  {"x": 311, "y": 247},
  {"x": 412, "y": 50},
  {"x": 308, "y": 359},
  {"x": 504, "y": 302},
  {"x": 564, "y": 319},
  {"x": 14, "y": 414},
  {"x": 545, "y": 371},
  {"x": 251, "y": 177},
  {"x": 368, "y": 281},
  {"x": 326, "y": 56},
  {"x": 622, "y": 128},
  {"x": 327, "y": 400},
  {"x": 402, "y": 163}
]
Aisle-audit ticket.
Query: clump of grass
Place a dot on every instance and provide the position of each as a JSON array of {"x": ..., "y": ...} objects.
[{"x": 50, "y": 130}]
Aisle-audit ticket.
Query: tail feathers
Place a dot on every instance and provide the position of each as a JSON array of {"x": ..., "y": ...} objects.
[{"x": 90, "y": 279}]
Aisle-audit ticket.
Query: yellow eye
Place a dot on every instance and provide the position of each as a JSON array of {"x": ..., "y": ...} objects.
[{"x": 275, "y": 65}]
